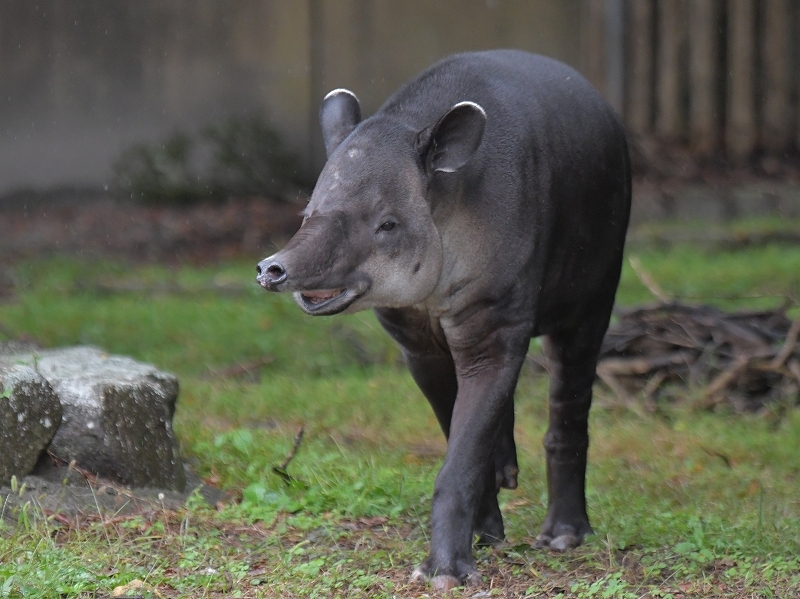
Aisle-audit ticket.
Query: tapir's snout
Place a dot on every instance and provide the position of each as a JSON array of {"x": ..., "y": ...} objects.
[{"x": 271, "y": 274}]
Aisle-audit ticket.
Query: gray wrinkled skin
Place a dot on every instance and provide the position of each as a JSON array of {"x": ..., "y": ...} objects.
[{"x": 485, "y": 203}]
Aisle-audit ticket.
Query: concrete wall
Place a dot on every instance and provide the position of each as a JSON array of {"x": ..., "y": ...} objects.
[{"x": 82, "y": 79}]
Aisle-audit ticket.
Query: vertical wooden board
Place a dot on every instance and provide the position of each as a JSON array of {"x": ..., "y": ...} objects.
[
  {"x": 413, "y": 34},
  {"x": 365, "y": 42},
  {"x": 269, "y": 48},
  {"x": 316, "y": 84},
  {"x": 704, "y": 37},
  {"x": 794, "y": 69},
  {"x": 196, "y": 65},
  {"x": 639, "y": 96},
  {"x": 777, "y": 122},
  {"x": 541, "y": 26},
  {"x": 336, "y": 35},
  {"x": 668, "y": 82},
  {"x": 593, "y": 43},
  {"x": 615, "y": 53},
  {"x": 740, "y": 126},
  {"x": 344, "y": 32}
]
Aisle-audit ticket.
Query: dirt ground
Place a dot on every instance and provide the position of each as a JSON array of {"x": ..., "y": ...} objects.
[
  {"x": 668, "y": 183},
  {"x": 94, "y": 223},
  {"x": 60, "y": 490}
]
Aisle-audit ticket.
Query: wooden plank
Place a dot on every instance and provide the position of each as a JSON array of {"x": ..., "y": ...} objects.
[
  {"x": 316, "y": 75},
  {"x": 740, "y": 137},
  {"x": 776, "y": 133},
  {"x": 639, "y": 97},
  {"x": 593, "y": 43},
  {"x": 615, "y": 53},
  {"x": 670, "y": 36},
  {"x": 704, "y": 35}
]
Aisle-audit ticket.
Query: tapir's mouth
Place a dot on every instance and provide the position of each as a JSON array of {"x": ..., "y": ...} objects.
[
  {"x": 326, "y": 301},
  {"x": 317, "y": 297}
]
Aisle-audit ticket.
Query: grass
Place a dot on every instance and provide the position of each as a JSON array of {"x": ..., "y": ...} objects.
[{"x": 684, "y": 503}]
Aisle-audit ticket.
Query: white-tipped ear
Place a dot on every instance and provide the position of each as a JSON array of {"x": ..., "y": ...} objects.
[
  {"x": 450, "y": 143},
  {"x": 339, "y": 115}
]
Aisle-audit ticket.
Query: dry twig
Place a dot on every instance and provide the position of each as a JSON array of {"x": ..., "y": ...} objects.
[
  {"x": 243, "y": 368},
  {"x": 280, "y": 470},
  {"x": 750, "y": 355},
  {"x": 648, "y": 280},
  {"x": 788, "y": 346}
]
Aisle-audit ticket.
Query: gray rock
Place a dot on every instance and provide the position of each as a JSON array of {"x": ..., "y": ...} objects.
[
  {"x": 17, "y": 346},
  {"x": 29, "y": 417},
  {"x": 117, "y": 420}
]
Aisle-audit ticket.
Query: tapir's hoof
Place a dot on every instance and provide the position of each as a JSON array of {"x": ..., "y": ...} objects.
[
  {"x": 418, "y": 576},
  {"x": 490, "y": 531},
  {"x": 560, "y": 543},
  {"x": 561, "y": 536},
  {"x": 489, "y": 540},
  {"x": 509, "y": 477},
  {"x": 445, "y": 582}
]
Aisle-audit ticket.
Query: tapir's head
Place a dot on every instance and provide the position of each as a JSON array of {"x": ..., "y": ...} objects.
[{"x": 368, "y": 239}]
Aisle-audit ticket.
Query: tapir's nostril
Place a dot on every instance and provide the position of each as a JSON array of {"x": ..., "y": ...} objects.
[
  {"x": 276, "y": 271},
  {"x": 270, "y": 274}
]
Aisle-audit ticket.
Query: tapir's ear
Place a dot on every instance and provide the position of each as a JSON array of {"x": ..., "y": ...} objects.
[
  {"x": 339, "y": 115},
  {"x": 450, "y": 143}
]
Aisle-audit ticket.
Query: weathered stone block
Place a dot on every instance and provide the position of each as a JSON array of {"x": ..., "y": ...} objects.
[
  {"x": 117, "y": 419},
  {"x": 29, "y": 417}
]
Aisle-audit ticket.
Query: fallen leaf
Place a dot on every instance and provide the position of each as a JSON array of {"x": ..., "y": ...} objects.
[{"x": 134, "y": 586}]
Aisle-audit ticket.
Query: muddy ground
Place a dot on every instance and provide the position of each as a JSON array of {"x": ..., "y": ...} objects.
[
  {"x": 668, "y": 184},
  {"x": 65, "y": 493},
  {"x": 95, "y": 223}
]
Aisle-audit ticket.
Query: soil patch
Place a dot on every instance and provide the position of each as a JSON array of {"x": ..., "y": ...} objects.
[
  {"x": 94, "y": 223},
  {"x": 63, "y": 492}
]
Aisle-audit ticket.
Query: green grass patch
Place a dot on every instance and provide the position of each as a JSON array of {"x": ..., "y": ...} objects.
[{"x": 684, "y": 503}]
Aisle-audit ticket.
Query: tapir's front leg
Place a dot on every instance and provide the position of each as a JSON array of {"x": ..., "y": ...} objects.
[
  {"x": 430, "y": 362},
  {"x": 487, "y": 375}
]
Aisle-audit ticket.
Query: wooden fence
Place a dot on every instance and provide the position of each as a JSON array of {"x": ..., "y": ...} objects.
[{"x": 718, "y": 76}]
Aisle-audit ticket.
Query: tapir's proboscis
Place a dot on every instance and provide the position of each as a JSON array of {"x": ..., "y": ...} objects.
[{"x": 485, "y": 203}]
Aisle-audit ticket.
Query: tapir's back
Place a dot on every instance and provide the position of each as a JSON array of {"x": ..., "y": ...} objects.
[
  {"x": 527, "y": 97},
  {"x": 494, "y": 78},
  {"x": 552, "y": 169}
]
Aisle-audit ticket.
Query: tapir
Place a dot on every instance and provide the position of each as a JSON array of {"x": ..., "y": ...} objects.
[{"x": 484, "y": 204}]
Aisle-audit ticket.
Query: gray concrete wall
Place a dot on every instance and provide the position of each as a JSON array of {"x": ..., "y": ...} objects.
[{"x": 82, "y": 79}]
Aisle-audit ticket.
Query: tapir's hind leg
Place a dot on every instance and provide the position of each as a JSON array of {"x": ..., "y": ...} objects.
[
  {"x": 435, "y": 375},
  {"x": 572, "y": 355},
  {"x": 505, "y": 454}
]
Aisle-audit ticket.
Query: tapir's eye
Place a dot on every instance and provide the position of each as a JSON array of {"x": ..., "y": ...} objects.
[{"x": 387, "y": 226}]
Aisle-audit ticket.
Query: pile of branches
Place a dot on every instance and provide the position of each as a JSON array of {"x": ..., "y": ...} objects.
[{"x": 744, "y": 359}]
